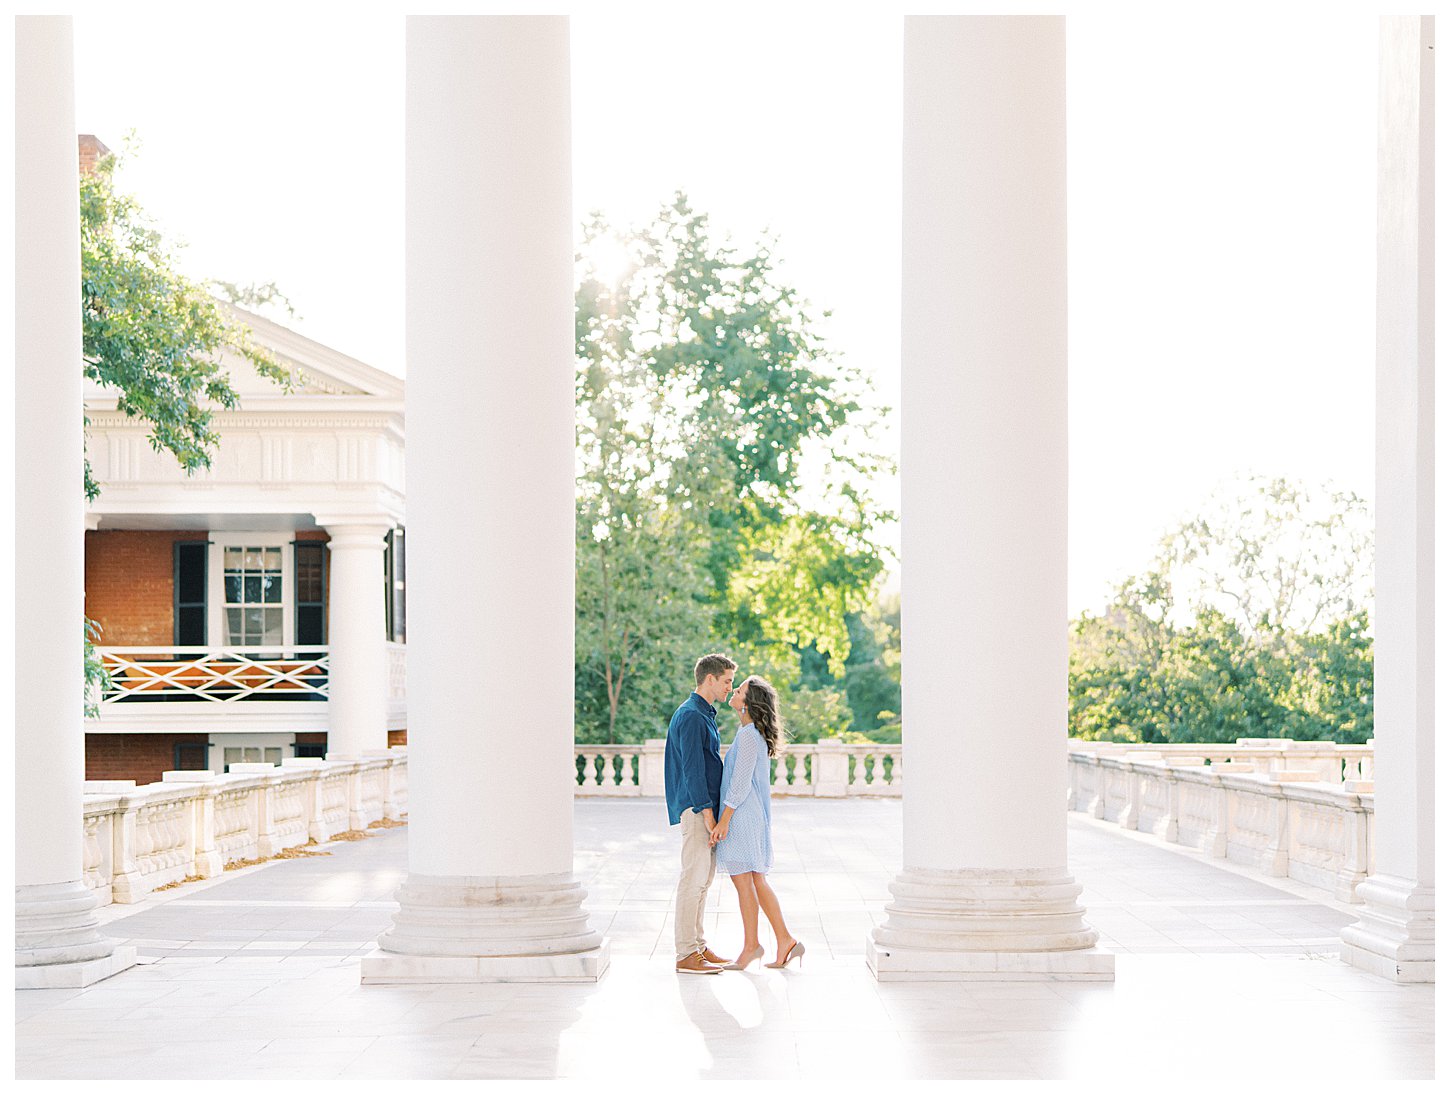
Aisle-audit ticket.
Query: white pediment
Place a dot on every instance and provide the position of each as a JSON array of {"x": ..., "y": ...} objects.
[{"x": 318, "y": 371}]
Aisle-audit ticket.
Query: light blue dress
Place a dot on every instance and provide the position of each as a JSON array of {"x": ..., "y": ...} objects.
[{"x": 745, "y": 785}]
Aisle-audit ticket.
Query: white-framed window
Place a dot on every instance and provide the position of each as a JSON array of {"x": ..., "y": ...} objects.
[
  {"x": 229, "y": 749},
  {"x": 251, "y": 579},
  {"x": 251, "y": 754}
]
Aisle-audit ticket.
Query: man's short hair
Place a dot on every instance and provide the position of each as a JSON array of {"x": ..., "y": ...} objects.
[{"x": 712, "y": 665}]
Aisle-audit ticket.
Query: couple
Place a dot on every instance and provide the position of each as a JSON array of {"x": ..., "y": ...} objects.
[{"x": 739, "y": 841}]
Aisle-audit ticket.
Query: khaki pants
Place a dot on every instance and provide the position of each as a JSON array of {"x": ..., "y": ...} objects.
[{"x": 697, "y": 871}]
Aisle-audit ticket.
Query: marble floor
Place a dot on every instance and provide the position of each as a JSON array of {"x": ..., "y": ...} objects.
[{"x": 1220, "y": 975}]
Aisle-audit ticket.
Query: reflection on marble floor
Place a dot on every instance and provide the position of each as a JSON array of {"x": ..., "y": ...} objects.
[{"x": 257, "y": 974}]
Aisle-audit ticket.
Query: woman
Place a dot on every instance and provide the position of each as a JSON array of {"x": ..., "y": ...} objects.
[{"x": 741, "y": 837}]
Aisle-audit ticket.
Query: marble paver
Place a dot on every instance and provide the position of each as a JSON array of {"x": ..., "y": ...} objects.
[{"x": 1227, "y": 972}]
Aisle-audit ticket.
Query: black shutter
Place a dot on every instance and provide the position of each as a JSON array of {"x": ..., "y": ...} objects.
[
  {"x": 188, "y": 570},
  {"x": 308, "y": 588}
]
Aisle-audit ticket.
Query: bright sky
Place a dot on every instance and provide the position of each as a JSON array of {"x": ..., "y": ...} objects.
[{"x": 1221, "y": 173}]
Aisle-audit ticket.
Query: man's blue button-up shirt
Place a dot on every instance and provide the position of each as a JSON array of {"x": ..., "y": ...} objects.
[{"x": 692, "y": 759}]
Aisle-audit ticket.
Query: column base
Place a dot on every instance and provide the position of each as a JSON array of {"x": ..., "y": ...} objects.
[
  {"x": 585, "y": 967},
  {"x": 905, "y": 964},
  {"x": 488, "y": 928},
  {"x": 986, "y": 924},
  {"x": 75, "y": 975},
  {"x": 1394, "y": 937},
  {"x": 58, "y": 943}
]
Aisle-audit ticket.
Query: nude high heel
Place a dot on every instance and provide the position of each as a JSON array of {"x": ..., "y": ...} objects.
[
  {"x": 798, "y": 950},
  {"x": 758, "y": 952}
]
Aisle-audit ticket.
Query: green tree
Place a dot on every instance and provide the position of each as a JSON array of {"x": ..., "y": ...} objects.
[
  {"x": 702, "y": 387},
  {"x": 1251, "y": 622},
  {"x": 639, "y": 624},
  {"x": 155, "y": 338},
  {"x": 1274, "y": 554},
  {"x": 151, "y": 335}
]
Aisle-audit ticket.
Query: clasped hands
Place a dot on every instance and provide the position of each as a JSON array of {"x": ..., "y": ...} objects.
[{"x": 718, "y": 829}]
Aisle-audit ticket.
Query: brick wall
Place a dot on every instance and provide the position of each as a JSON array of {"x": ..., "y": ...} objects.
[
  {"x": 142, "y": 757},
  {"x": 91, "y": 150},
  {"x": 130, "y": 583},
  {"x": 129, "y": 589}
]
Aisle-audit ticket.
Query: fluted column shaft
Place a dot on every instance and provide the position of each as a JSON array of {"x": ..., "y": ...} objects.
[
  {"x": 58, "y": 942},
  {"x": 490, "y": 344},
  {"x": 984, "y": 506},
  {"x": 1395, "y": 935}
]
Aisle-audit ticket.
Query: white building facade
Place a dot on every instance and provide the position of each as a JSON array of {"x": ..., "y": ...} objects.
[{"x": 256, "y": 610}]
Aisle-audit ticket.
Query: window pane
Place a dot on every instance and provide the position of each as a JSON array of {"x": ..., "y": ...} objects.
[
  {"x": 309, "y": 585},
  {"x": 234, "y": 627},
  {"x": 274, "y": 559},
  {"x": 232, "y": 755},
  {"x": 272, "y": 589},
  {"x": 234, "y": 589},
  {"x": 233, "y": 558},
  {"x": 272, "y": 631},
  {"x": 253, "y": 559},
  {"x": 253, "y": 589},
  {"x": 274, "y": 756}
]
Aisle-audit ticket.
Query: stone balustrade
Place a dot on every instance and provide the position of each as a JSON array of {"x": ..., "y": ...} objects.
[
  {"x": 192, "y": 824},
  {"x": 1301, "y": 810},
  {"x": 823, "y": 769}
]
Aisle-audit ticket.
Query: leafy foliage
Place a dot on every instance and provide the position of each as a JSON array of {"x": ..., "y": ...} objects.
[
  {"x": 149, "y": 333},
  {"x": 703, "y": 390},
  {"x": 1252, "y": 622}
]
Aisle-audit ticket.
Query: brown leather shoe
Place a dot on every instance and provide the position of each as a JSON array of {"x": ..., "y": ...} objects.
[
  {"x": 695, "y": 964},
  {"x": 713, "y": 958}
]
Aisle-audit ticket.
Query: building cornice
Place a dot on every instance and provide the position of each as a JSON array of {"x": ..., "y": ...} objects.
[{"x": 313, "y": 418}]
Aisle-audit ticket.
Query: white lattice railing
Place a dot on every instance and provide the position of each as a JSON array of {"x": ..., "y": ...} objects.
[
  {"x": 823, "y": 769},
  {"x": 1302, "y": 810},
  {"x": 213, "y": 674}
]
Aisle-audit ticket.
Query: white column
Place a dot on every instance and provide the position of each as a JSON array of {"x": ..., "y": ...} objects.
[
  {"x": 357, "y": 652},
  {"x": 490, "y": 893},
  {"x": 57, "y": 938},
  {"x": 1395, "y": 935},
  {"x": 985, "y": 892}
]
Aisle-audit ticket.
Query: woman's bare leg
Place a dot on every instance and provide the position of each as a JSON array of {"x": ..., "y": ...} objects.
[
  {"x": 749, "y": 913},
  {"x": 766, "y": 898}
]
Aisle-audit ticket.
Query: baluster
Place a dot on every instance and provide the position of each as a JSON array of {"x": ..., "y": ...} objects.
[{"x": 778, "y": 774}]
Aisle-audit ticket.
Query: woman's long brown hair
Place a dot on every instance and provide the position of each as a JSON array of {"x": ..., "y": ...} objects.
[{"x": 763, "y": 707}]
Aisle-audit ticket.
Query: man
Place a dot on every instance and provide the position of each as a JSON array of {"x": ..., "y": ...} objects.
[{"x": 692, "y": 796}]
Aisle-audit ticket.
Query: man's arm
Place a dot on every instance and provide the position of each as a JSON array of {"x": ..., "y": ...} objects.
[{"x": 694, "y": 740}]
